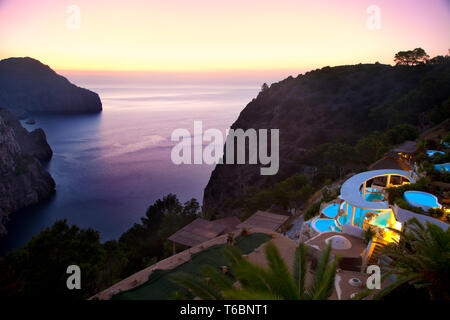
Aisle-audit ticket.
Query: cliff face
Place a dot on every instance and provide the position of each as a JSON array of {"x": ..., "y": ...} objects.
[
  {"x": 330, "y": 105},
  {"x": 28, "y": 86},
  {"x": 23, "y": 180}
]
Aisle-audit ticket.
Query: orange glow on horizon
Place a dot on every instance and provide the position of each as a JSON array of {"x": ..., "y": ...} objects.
[{"x": 211, "y": 36}]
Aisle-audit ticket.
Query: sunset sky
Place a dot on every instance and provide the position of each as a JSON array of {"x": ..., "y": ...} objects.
[{"x": 206, "y": 35}]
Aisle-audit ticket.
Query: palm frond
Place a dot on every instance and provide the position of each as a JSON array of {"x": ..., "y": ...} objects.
[
  {"x": 216, "y": 277},
  {"x": 300, "y": 268},
  {"x": 320, "y": 271},
  {"x": 326, "y": 287},
  {"x": 284, "y": 284},
  {"x": 392, "y": 287}
]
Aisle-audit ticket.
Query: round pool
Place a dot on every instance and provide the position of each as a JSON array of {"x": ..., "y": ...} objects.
[
  {"x": 331, "y": 211},
  {"x": 431, "y": 153},
  {"x": 421, "y": 199},
  {"x": 443, "y": 167},
  {"x": 321, "y": 225}
]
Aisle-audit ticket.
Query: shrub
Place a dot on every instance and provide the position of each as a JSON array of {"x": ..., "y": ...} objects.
[
  {"x": 437, "y": 213},
  {"x": 230, "y": 238},
  {"x": 245, "y": 232},
  {"x": 312, "y": 211},
  {"x": 368, "y": 234}
]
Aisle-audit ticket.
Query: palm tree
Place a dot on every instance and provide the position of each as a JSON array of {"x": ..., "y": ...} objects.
[
  {"x": 420, "y": 258},
  {"x": 250, "y": 281}
]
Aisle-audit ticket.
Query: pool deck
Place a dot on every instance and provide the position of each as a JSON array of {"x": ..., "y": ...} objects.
[
  {"x": 344, "y": 290},
  {"x": 358, "y": 246}
]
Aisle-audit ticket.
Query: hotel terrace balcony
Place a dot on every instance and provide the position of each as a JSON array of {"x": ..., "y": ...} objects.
[{"x": 362, "y": 204}]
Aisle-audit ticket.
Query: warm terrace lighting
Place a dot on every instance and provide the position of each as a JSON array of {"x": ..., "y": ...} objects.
[{"x": 390, "y": 235}]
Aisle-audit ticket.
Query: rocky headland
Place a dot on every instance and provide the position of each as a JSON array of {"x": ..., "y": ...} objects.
[
  {"x": 27, "y": 86},
  {"x": 23, "y": 180}
]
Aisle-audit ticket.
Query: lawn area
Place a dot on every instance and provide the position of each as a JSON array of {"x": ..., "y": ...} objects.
[{"x": 160, "y": 287}]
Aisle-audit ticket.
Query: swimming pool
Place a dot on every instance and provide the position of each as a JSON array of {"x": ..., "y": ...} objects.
[
  {"x": 331, "y": 211},
  {"x": 431, "y": 153},
  {"x": 374, "y": 196},
  {"x": 382, "y": 219},
  {"x": 359, "y": 217},
  {"x": 321, "y": 225},
  {"x": 421, "y": 199},
  {"x": 443, "y": 167}
]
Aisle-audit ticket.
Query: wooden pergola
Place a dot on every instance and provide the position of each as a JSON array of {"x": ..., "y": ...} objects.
[
  {"x": 265, "y": 220},
  {"x": 201, "y": 230}
]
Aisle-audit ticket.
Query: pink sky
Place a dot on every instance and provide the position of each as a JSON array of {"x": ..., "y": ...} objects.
[{"x": 200, "y": 35}]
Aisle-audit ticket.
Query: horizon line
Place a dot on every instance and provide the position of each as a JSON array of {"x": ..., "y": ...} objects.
[{"x": 208, "y": 71}]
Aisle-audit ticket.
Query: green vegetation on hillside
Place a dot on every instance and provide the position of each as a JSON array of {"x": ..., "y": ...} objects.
[
  {"x": 331, "y": 161},
  {"x": 38, "y": 269},
  {"x": 334, "y": 121},
  {"x": 289, "y": 193}
]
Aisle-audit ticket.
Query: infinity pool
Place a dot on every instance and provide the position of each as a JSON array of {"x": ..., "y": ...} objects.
[
  {"x": 443, "y": 167},
  {"x": 431, "y": 153},
  {"x": 421, "y": 199}
]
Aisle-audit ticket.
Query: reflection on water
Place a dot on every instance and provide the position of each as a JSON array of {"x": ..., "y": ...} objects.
[{"x": 111, "y": 166}]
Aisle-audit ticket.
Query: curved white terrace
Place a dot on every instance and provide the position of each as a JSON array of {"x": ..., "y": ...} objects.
[{"x": 350, "y": 188}]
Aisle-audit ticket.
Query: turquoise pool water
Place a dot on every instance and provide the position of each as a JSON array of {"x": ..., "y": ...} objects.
[
  {"x": 374, "y": 196},
  {"x": 421, "y": 199},
  {"x": 331, "y": 211},
  {"x": 431, "y": 153},
  {"x": 322, "y": 225},
  {"x": 358, "y": 218},
  {"x": 443, "y": 167},
  {"x": 380, "y": 220}
]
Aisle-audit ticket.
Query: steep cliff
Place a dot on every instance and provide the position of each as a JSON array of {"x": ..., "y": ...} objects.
[
  {"x": 333, "y": 105},
  {"x": 23, "y": 180},
  {"x": 28, "y": 86}
]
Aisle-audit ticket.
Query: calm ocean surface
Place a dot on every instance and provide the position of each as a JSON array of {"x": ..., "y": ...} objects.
[{"x": 111, "y": 166}]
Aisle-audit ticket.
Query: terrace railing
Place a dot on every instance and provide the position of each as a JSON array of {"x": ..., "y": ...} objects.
[{"x": 366, "y": 254}]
